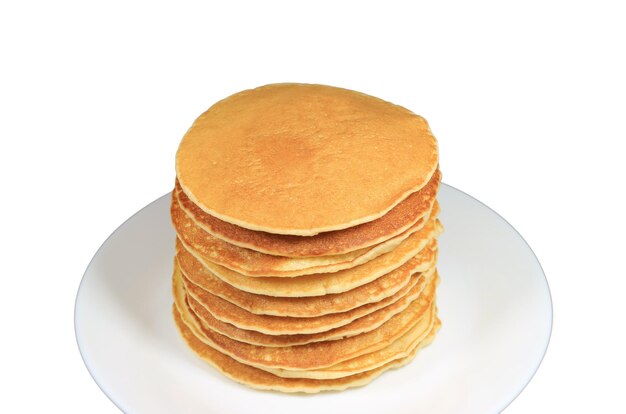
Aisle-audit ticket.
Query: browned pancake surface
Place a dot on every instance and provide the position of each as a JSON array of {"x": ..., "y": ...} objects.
[
  {"x": 253, "y": 263},
  {"x": 280, "y": 325},
  {"x": 304, "y": 159},
  {"x": 400, "y": 218},
  {"x": 357, "y": 321},
  {"x": 310, "y": 306},
  {"x": 420, "y": 335},
  {"x": 320, "y": 354},
  {"x": 260, "y": 379}
]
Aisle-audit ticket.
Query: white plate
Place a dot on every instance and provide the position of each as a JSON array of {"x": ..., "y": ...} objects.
[{"x": 493, "y": 300}]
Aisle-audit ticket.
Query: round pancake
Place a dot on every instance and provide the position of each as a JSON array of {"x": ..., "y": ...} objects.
[
  {"x": 267, "y": 159},
  {"x": 419, "y": 336},
  {"x": 263, "y": 380},
  {"x": 406, "y": 214},
  {"x": 411, "y": 255},
  {"x": 253, "y": 263},
  {"x": 304, "y": 307},
  {"x": 282, "y": 331},
  {"x": 318, "y": 354}
]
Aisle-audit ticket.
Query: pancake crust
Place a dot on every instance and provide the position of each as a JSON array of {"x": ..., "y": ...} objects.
[
  {"x": 406, "y": 214},
  {"x": 412, "y": 256},
  {"x": 262, "y": 157},
  {"x": 419, "y": 336},
  {"x": 253, "y": 263},
  {"x": 263, "y": 380},
  {"x": 244, "y": 327},
  {"x": 326, "y": 283},
  {"x": 318, "y": 354},
  {"x": 281, "y": 325},
  {"x": 284, "y": 331},
  {"x": 306, "y": 307}
]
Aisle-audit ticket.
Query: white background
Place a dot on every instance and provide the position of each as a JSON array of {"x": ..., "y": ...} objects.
[{"x": 528, "y": 102}]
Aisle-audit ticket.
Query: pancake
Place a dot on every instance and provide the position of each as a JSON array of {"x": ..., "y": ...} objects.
[
  {"x": 417, "y": 337},
  {"x": 253, "y": 263},
  {"x": 262, "y": 329},
  {"x": 411, "y": 256},
  {"x": 305, "y": 307},
  {"x": 280, "y": 325},
  {"x": 267, "y": 159},
  {"x": 318, "y": 354},
  {"x": 263, "y": 380},
  {"x": 307, "y": 224},
  {"x": 406, "y": 214},
  {"x": 284, "y": 331}
]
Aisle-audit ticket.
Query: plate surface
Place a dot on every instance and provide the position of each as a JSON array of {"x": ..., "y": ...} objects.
[{"x": 493, "y": 300}]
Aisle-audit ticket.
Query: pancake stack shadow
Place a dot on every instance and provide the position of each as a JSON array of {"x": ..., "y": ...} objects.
[{"x": 328, "y": 296}]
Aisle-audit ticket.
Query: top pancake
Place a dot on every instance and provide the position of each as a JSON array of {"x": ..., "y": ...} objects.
[
  {"x": 411, "y": 210},
  {"x": 303, "y": 159}
]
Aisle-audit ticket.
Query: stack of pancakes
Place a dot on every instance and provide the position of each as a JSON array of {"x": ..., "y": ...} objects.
[{"x": 306, "y": 221}]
